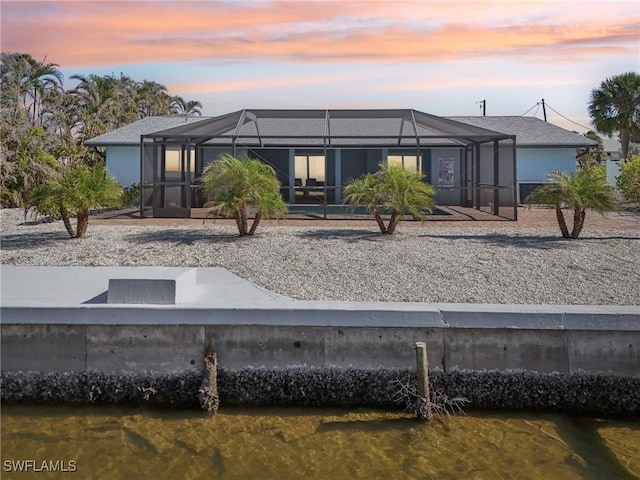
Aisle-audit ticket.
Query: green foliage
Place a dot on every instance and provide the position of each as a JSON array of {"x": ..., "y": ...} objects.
[
  {"x": 591, "y": 156},
  {"x": 26, "y": 160},
  {"x": 615, "y": 108},
  {"x": 131, "y": 195},
  {"x": 628, "y": 182},
  {"x": 587, "y": 189},
  {"x": 73, "y": 192},
  {"x": 237, "y": 187},
  {"x": 391, "y": 189}
]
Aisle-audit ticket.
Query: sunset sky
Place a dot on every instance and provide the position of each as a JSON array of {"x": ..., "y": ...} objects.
[{"x": 438, "y": 57}]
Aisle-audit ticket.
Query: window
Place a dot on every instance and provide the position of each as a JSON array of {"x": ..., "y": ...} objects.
[
  {"x": 309, "y": 169},
  {"x": 175, "y": 159},
  {"x": 411, "y": 163}
]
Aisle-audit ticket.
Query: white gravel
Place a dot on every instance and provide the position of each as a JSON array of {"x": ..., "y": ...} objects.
[{"x": 422, "y": 264}]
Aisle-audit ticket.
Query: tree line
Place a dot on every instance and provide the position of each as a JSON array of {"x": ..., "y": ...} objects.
[{"x": 43, "y": 126}]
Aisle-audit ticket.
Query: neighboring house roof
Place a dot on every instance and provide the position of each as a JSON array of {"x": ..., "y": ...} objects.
[
  {"x": 330, "y": 128},
  {"x": 611, "y": 145},
  {"x": 530, "y": 131},
  {"x": 130, "y": 134}
]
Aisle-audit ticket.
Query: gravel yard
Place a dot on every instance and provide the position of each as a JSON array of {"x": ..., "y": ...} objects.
[{"x": 419, "y": 264}]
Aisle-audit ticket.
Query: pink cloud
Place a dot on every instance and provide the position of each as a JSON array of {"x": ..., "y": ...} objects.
[{"x": 95, "y": 33}]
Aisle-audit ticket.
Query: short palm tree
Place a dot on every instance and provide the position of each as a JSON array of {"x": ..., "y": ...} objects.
[
  {"x": 391, "y": 189},
  {"x": 73, "y": 192},
  {"x": 586, "y": 189},
  {"x": 240, "y": 186}
]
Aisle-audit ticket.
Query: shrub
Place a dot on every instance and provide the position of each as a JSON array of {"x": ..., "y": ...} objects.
[{"x": 628, "y": 182}]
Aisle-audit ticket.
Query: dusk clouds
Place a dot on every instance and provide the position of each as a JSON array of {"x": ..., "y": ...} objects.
[{"x": 267, "y": 46}]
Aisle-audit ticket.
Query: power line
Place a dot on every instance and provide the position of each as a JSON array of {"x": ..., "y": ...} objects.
[
  {"x": 547, "y": 104},
  {"x": 568, "y": 119},
  {"x": 536, "y": 105}
]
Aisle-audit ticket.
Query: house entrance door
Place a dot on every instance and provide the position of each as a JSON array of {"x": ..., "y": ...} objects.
[{"x": 172, "y": 185}]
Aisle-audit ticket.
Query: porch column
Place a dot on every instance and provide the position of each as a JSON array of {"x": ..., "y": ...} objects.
[
  {"x": 338, "y": 175},
  {"x": 292, "y": 175}
]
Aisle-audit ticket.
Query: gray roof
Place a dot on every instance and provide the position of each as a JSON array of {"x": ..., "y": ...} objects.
[
  {"x": 610, "y": 145},
  {"x": 130, "y": 134},
  {"x": 331, "y": 128},
  {"x": 343, "y": 128},
  {"x": 530, "y": 131}
]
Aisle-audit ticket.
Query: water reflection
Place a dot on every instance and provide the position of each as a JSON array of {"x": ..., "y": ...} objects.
[{"x": 109, "y": 442}]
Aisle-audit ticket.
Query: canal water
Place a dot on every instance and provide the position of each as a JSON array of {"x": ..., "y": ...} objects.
[{"x": 135, "y": 443}]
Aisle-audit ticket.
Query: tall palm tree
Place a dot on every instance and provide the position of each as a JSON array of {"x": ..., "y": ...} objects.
[
  {"x": 186, "y": 108},
  {"x": 25, "y": 82},
  {"x": 73, "y": 193},
  {"x": 587, "y": 189},
  {"x": 239, "y": 186},
  {"x": 153, "y": 99},
  {"x": 615, "y": 108},
  {"x": 96, "y": 103},
  {"x": 392, "y": 189}
]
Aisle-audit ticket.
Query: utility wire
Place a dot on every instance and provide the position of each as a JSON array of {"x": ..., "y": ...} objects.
[
  {"x": 536, "y": 105},
  {"x": 568, "y": 119}
]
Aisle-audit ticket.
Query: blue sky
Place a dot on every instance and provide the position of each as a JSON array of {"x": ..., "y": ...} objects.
[{"x": 439, "y": 57}]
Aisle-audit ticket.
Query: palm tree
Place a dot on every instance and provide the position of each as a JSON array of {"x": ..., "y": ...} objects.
[
  {"x": 153, "y": 99},
  {"x": 186, "y": 108},
  {"x": 74, "y": 192},
  {"x": 25, "y": 82},
  {"x": 584, "y": 190},
  {"x": 394, "y": 189},
  {"x": 615, "y": 107},
  {"x": 239, "y": 186},
  {"x": 96, "y": 104}
]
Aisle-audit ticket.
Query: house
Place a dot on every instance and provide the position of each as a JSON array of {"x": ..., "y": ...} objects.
[
  {"x": 472, "y": 161},
  {"x": 541, "y": 147},
  {"x": 123, "y": 145}
]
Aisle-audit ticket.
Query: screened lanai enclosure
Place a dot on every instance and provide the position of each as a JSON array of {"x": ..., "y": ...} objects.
[{"x": 316, "y": 152}]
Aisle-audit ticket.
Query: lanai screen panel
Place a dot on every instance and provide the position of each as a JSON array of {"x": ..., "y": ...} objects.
[
  {"x": 507, "y": 180},
  {"x": 147, "y": 178},
  {"x": 488, "y": 165}
]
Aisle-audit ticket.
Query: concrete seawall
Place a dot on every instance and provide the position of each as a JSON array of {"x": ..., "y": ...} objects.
[
  {"x": 171, "y": 340},
  {"x": 41, "y": 331}
]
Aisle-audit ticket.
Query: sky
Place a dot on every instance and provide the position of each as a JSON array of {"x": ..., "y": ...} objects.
[{"x": 440, "y": 57}]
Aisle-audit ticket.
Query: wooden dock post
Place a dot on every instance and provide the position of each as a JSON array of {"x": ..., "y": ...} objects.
[
  {"x": 208, "y": 393},
  {"x": 423, "y": 405}
]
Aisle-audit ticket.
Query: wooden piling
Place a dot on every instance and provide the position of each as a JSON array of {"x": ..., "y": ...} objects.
[
  {"x": 208, "y": 394},
  {"x": 423, "y": 405}
]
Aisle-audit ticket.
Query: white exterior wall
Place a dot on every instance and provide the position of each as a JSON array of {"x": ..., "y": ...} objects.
[
  {"x": 123, "y": 162},
  {"x": 613, "y": 171},
  {"x": 533, "y": 164}
]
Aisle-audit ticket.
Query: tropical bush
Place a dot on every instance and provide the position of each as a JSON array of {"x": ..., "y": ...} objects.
[
  {"x": 239, "y": 187},
  {"x": 628, "y": 182},
  {"x": 584, "y": 190},
  {"x": 391, "y": 189},
  {"x": 73, "y": 192}
]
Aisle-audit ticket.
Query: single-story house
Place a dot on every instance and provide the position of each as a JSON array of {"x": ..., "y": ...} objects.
[
  {"x": 541, "y": 147},
  {"x": 487, "y": 163}
]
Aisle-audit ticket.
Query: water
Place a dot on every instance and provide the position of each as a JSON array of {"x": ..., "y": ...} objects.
[{"x": 131, "y": 443}]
